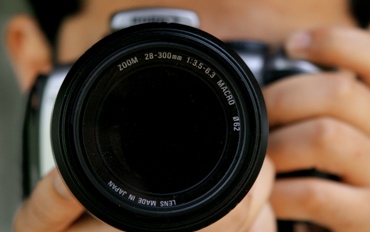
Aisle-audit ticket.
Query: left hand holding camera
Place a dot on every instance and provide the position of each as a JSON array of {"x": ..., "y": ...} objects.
[
  {"x": 322, "y": 121},
  {"x": 51, "y": 207}
]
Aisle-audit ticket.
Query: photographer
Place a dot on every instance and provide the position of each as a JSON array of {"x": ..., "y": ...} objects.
[{"x": 317, "y": 120}]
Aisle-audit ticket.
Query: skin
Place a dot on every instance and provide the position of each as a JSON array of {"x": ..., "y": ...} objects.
[
  {"x": 330, "y": 133},
  {"x": 318, "y": 121}
]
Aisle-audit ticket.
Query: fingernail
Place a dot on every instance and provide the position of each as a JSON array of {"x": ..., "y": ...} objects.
[
  {"x": 61, "y": 187},
  {"x": 298, "y": 44}
]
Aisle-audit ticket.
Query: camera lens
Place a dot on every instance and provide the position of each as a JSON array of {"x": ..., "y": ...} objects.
[
  {"x": 159, "y": 127},
  {"x": 157, "y": 120}
]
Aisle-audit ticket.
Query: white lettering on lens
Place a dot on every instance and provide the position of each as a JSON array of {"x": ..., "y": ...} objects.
[
  {"x": 162, "y": 55},
  {"x": 129, "y": 62},
  {"x": 226, "y": 91},
  {"x": 131, "y": 197},
  {"x": 168, "y": 203},
  {"x": 147, "y": 202},
  {"x": 236, "y": 123},
  {"x": 117, "y": 189}
]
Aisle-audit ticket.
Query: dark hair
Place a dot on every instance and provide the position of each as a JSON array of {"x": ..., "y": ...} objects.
[
  {"x": 50, "y": 13},
  {"x": 361, "y": 11}
]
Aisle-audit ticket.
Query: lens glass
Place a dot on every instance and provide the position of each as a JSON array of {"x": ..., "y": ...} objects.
[
  {"x": 160, "y": 129},
  {"x": 156, "y": 126}
]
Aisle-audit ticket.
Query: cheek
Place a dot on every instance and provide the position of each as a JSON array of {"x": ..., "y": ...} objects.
[{"x": 77, "y": 35}]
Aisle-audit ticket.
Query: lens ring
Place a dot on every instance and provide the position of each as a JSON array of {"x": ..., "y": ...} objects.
[{"x": 217, "y": 190}]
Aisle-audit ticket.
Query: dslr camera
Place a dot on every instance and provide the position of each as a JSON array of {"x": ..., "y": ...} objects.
[{"x": 159, "y": 126}]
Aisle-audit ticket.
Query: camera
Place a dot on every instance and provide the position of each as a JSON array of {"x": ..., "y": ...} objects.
[{"x": 159, "y": 126}]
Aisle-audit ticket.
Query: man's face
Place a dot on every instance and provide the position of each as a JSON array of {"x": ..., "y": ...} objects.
[
  {"x": 270, "y": 21},
  {"x": 267, "y": 20}
]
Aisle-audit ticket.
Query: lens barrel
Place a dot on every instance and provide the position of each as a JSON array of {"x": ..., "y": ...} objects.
[{"x": 159, "y": 127}]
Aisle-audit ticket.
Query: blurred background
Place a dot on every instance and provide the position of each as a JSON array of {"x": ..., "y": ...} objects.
[{"x": 12, "y": 103}]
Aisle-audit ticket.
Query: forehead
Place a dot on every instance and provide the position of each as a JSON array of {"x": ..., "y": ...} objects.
[{"x": 268, "y": 20}]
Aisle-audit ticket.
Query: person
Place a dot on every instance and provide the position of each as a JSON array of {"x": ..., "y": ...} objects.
[{"x": 319, "y": 121}]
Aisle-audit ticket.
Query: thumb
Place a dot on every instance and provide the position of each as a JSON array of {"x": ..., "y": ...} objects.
[
  {"x": 346, "y": 48},
  {"x": 51, "y": 207}
]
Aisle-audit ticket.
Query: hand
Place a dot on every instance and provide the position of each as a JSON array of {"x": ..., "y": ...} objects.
[
  {"x": 254, "y": 213},
  {"x": 322, "y": 121},
  {"x": 52, "y": 207}
]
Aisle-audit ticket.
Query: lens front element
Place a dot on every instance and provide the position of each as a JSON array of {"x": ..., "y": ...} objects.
[
  {"x": 162, "y": 126},
  {"x": 159, "y": 128}
]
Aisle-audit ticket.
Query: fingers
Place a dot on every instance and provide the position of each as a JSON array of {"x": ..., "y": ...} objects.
[
  {"x": 261, "y": 191},
  {"x": 339, "y": 47},
  {"x": 321, "y": 121},
  {"x": 331, "y": 204},
  {"x": 338, "y": 95},
  {"x": 51, "y": 207},
  {"x": 326, "y": 144},
  {"x": 89, "y": 223},
  {"x": 265, "y": 221},
  {"x": 245, "y": 213}
]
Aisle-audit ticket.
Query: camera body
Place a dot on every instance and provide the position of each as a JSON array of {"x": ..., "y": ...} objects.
[{"x": 157, "y": 127}]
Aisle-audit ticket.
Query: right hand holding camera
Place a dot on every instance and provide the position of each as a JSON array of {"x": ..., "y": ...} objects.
[{"x": 322, "y": 121}]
